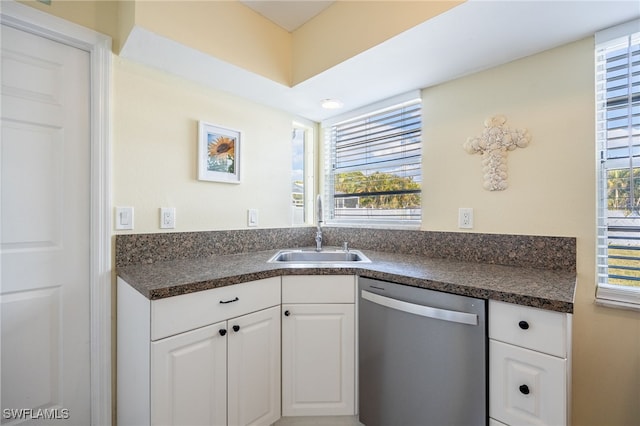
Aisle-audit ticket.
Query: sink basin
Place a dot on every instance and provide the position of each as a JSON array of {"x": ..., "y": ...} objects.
[{"x": 324, "y": 256}]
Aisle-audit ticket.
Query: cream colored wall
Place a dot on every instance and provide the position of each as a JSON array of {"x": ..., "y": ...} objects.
[
  {"x": 101, "y": 16},
  {"x": 225, "y": 29},
  {"x": 551, "y": 192},
  {"x": 155, "y": 132}
]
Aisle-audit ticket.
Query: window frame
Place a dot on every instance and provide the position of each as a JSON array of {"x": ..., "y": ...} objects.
[
  {"x": 308, "y": 170},
  {"x": 607, "y": 294},
  {"x": 327, "y": 190}
]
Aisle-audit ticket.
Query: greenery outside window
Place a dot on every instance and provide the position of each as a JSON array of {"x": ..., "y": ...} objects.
[
  {"x": 373, "y": 165},
  {"x": 618, "y": 146}
]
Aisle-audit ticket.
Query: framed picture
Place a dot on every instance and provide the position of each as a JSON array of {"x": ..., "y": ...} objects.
[{"x": 218, "y": 153}]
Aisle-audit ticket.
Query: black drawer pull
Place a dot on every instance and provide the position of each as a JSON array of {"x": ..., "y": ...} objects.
[
  {"x": 524, "y": 389},
  {"x": 229, "y": 301},
  {"x": 236, "y": 328},
  {"x": 287, "y": 313},
  {"x": 222, "y": 331},
  {"x": 523, "y": 325}
]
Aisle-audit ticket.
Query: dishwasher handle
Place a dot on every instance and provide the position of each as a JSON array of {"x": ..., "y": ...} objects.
[{"x": 425, "y": 311}]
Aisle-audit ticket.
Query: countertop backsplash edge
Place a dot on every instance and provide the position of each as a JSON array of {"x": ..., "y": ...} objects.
[{"x": 530, "y": 251}]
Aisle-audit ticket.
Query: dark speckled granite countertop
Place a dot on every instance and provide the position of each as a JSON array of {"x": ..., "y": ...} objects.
[{"x": 542, "y": 288}]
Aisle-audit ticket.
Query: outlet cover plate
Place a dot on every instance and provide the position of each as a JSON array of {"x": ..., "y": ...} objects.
[
  {"x": 465, "y": 218},
  {"x": 167, "y": 217}
]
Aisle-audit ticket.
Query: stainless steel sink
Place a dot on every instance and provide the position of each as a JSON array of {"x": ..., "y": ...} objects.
[{"x": 298, "y": 256}]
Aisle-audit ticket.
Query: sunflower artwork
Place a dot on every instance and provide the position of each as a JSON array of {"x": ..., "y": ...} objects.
[
  {"x": 221, "y": 153},
  {"x": 218, "y": 154}
]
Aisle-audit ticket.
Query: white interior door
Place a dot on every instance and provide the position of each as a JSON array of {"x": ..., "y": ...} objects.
[{"x": 45, "y": 230}]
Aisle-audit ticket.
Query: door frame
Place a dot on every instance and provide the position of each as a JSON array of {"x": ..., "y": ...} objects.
[{"x": 99, "y": 48}]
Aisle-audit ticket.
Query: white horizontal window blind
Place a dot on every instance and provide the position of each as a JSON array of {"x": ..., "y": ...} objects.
[
  {"x": 618, "y": 139},
  {"x": 373, "y": 168}
]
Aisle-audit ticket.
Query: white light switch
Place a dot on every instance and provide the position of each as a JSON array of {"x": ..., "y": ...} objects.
[
  {"x": 167, "y": 217},
  {"x": 252, "y": 217},
  {"x": 124, "y": 218}
]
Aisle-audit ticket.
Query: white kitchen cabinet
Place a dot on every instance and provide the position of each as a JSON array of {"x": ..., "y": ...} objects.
[
  {"x": 206, "y": 358},
  {"x": 318, "y": 345},
  {"x": 189, "y": 372},
  {"x": 253, "y": 368},
  {"x": 529, "y": 365}
]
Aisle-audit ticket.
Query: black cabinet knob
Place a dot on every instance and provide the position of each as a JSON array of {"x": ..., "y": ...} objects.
[
  {"x": 236, "y": 328},
  {"x": 524, "y": 389},
  {"x": 222, "y": 331},
  {"x": 523, "y": 325},
  {"x": 287, "y": 313}
]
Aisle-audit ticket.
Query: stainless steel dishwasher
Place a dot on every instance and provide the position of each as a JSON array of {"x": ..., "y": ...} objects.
[{"x": 422, "y": 357}]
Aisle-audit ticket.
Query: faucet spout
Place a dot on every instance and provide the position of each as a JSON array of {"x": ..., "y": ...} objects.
[{"x": 319, "y": 223}]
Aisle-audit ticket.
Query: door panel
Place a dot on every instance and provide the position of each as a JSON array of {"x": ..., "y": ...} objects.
[
  {"x": 318, "y": 358},
  {"x": 189, "y": 372},
  {"x": 254, "y": 368},
  {"x": 31, "y": 321},
  {"x": 26, "y": 227},
  {"x": 45, "y": 220}
]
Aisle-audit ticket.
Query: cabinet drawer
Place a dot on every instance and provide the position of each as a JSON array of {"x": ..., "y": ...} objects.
[
  {"x": 533, "y": 328},
  {"x": 178, "y": 314},
  {"x": 318, "y": 289},
  {"x": 526, "y": 387}
]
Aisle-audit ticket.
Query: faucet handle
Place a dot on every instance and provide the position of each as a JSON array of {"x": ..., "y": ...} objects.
[{"x": 345, "y": 246}]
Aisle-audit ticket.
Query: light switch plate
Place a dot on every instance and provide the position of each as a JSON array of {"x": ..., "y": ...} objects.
[
  {"x": 124, "y": 218},
  {"x": 252, "y": 217}
]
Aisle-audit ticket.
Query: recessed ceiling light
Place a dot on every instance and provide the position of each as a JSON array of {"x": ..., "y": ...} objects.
[{"x": 331, "y": 104}]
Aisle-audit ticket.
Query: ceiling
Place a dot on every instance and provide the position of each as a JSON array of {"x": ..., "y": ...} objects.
[
  {"x": 476, "y": 35},
  {"x": 288, "y": 14}
]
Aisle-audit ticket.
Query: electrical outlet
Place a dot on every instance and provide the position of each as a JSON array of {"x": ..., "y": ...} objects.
[
  {"x": 167, "y": 217},
  {"x": 465, "y": 217}
]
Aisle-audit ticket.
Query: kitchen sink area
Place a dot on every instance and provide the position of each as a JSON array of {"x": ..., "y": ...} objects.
[
  {"x": 309, "y": 317},
  {"x": 311, "y": 256}
]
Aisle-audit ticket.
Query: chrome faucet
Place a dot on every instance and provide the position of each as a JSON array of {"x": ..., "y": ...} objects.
[{"x": 319, "y": 219}]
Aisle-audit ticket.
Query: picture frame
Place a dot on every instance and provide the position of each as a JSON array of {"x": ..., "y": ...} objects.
[{"x": 218, "y": 153}]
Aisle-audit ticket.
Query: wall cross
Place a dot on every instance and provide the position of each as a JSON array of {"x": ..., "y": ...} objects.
[{"x": 494, "y": 143}]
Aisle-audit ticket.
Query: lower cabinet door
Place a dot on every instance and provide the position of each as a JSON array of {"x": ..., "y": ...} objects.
[
  {"x": 189, "y": 378},
  {"x": 254, "y": 368},
  {"x": 318, "y": 359},
  {"x": 526, "y": 387}
]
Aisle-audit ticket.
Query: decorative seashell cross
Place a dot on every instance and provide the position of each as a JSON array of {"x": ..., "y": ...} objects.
[{"x": 492, "y": 145}]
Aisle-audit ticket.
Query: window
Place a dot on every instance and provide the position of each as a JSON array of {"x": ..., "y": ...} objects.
[
  {"x": 301, "y": 174},
  {"x": 373, "y": 165},
  {"x": 618, "y": 144}
]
